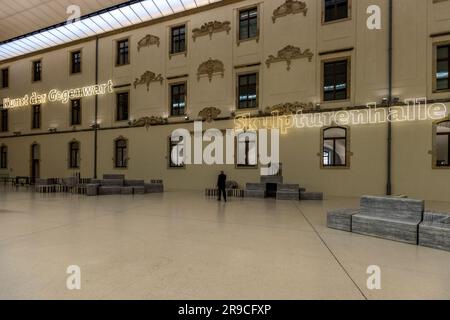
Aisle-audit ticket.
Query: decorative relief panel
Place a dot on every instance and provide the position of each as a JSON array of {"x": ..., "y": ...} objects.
[
  {"x": 211, "y": 27},
  {"x": 288, "y": 54},
  {"x": 147, "y": 78},
  {"x": 209, "y": 114},
  {"x": 210, "y": 68},
  {"x": 148, "y": 121},
  {"x": 289, "y": 108},
  {"x": 289, "y": 7},
  {"x": 148, "y": 41}
]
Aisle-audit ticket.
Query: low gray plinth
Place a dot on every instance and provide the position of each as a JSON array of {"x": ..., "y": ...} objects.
[
  {"x": 434, "y": 231},
  {"x": 134, "y": 183},
  {"x": 401, "y": 231},
  {"x": 311, "y": 196},
  {"x": 92, "y": 190},
  {"x": 260, "y": 194},
  {"x": 389, "y": 218},
  {"x": 109, "y": 190},
  {"x": 127, "y": 190},
  {"x": 139, "y": 190},
  {"x": 271, "y": 179},
  {"x": 114, "y": 176},
  {"x": 287, "y": 191},
  {"x": 256, "y": 186},
  {"x": 341, "y": 219},
  {"x": 154, "y": 188},
  {"x": 112, "y": 182}
]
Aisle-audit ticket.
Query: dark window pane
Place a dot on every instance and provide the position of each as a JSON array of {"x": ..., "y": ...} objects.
[
  {"x": 122, "y": 106},
  {"x": 178, "y": 39},
  {"x": 5, "y": 78},
  {"x": 122, "y": 52},
  {"x": 335, "y": 10},
  {"x": 247, "y": 91},
  {"x": 248, "y": 24},
  {"x": 335, "y": 86}
]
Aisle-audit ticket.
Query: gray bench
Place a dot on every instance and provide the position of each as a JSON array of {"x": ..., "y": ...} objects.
[
  {"x": 288, "y": 191},
  {"x": 434, "y": 231},
  {"x": 255, "y": 190},
  {"x": 389, "y": 218},
  {"x": 341, "y": 219},
  {"x": 311, "y": 196}
]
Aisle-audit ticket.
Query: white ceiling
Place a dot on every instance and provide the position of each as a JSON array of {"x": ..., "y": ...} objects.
[
  {"x": 50, "y": 12},
  {"x": 18, "y": 17}
]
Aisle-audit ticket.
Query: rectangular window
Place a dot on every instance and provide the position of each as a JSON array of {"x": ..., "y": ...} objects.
[
  {"x": 178, "y": 99},
  {"x": 122, "y": 111},
  {"x": 37, "y": 70},
  {"x": 247, "y": 149},
  {"x": 121, "y": 154},
  {"x": 176, "y": 152},
  {"x": 4, "y": 120},
  {"x": 36, "y": 117},
  {"x": 178, "y": 39},
  {"x": 74, "y": 155},
  {"x": 248, "y": 24},
  {"x": 122, "y": 53},
  {"x": 442, "y": 67},
  {"x": 75, "y": 112},
  {"x": 75, "y": 65},
  {"x": 335, "y": 80},
  {"x": 248, "y": 91},
  {"x": 3, "y": 157},
  {"x": 4, "y": 78},
  {"x": 335, "y": 147},
  {"x": 335, "y": 10}
]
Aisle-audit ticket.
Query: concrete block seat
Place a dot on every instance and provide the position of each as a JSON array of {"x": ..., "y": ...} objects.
[
  {"x": 113, "y": 177},
  {"x": 341, "y": 219},
  {"x": 311, "y": 196},
  {"x": 434, "y": 231},
  {"x": 288, "y": 191},
  {"x": 255, "y": 190},
  {"x": 126, "y": 190},
  {"x": 389, "y": 218}
]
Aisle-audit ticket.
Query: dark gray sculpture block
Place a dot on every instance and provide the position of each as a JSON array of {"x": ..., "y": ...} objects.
[
  {"x": 139, "y": 190},
  {"x": 271, "y": 179},
  {"x": 309, "y": 196},
  {"x": 114, "y": 177},
  {"x": 434, "y": 231},
  {"x": 154, "y": 188},
  {"x": 92, "y": 190},
  {"x": 109, "y": 190},
  {"x": 126, "y": 190},
  {"x": 112, "y": 182},
  {"x": 341, "y": 219},
  {"x": 288, "y": 192}
]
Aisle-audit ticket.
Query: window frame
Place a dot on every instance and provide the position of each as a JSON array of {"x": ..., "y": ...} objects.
[
  {"x": 258, "y": 24},
  {"x": 170, "y": 164},
  {"x": 349, "y": 14},
  {"x": 3, "y": 157},
  {"x": 247, "y": 151},
  {"x": 171, "y": 44},
  {"x": 33, "y": 70},
  {"x": 174, "y": 84},
  {"x": 238, "y": 87},
  {"x": 125, "y": 159},
  {"x": 74, "y": 163},
  {"x": 33, "y": 113},
  {"x": 71, "y": 62},
  {"x": 434, "y": 66},
  {"x": 434, "y": 150},
  {"x": 117, "y": 106},
  {"x": 80, "y": 114},
  {"x": 348, "y": 153},
  {"x": 118, "y": 53},
  {"x": 2, "y": 86},
  {"x": 2, "y": 120},
  {"x": 349, "y": 79}
]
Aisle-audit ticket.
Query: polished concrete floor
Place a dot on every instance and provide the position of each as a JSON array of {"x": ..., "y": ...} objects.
[{"x": 182, "y": 246}]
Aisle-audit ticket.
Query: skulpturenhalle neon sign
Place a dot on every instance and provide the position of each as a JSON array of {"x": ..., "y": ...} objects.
[{"x": 55, "y": 95}]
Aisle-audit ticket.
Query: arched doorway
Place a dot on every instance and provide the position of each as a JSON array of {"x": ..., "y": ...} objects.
[{"x": 35, "y": 162}]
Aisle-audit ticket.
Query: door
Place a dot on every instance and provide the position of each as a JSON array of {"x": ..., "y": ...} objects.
[{"x": 35, "y": 163}]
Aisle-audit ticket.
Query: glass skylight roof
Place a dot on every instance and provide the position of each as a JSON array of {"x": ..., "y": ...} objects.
[{"x": 114, "y": 18}]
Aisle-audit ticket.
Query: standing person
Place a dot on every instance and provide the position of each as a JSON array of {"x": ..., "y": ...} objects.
[{"x": 221, "y": 184}]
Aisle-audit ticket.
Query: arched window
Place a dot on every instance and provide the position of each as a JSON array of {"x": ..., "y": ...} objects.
[
  {"x": 334, "y": 147},
  {"x": 74, "y": 155},
  {"x": 121, "y": 153},
  {"x": 3, "y": 157},
  {"x": 247, "y": 149},
  {"x": 442, "y": 141}
]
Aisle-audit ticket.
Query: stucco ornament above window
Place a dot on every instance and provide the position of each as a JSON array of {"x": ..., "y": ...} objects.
[
  {"x": 210, "y": 68},
  {"x": 289, "y": 108},
  {"x": 209, "y": 114},
  {"x": 288, "y": 54},
  {"x": 147, "y": 78},
  {"x": 209, "y": 28},
  {"x": 148, "y": 41},
  {"x": 148, "y": 121},
  {"x": 289, "y": 7}
]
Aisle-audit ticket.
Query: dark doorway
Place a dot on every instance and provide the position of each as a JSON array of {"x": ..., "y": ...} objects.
[
  {"x": 271, "y": 190},
  {"x": 35, "y": 163}
]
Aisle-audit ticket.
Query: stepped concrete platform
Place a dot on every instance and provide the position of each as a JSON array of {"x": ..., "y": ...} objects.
[
  {"x": 255, "y": 190},
  {"x": 434, "y": 231},
  {"x": 287, "y": 191},
  {"x": 341, "y": 219}
]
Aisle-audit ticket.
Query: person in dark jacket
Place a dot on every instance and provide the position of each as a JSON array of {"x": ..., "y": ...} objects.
[{"x": 221, "y": 184}]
